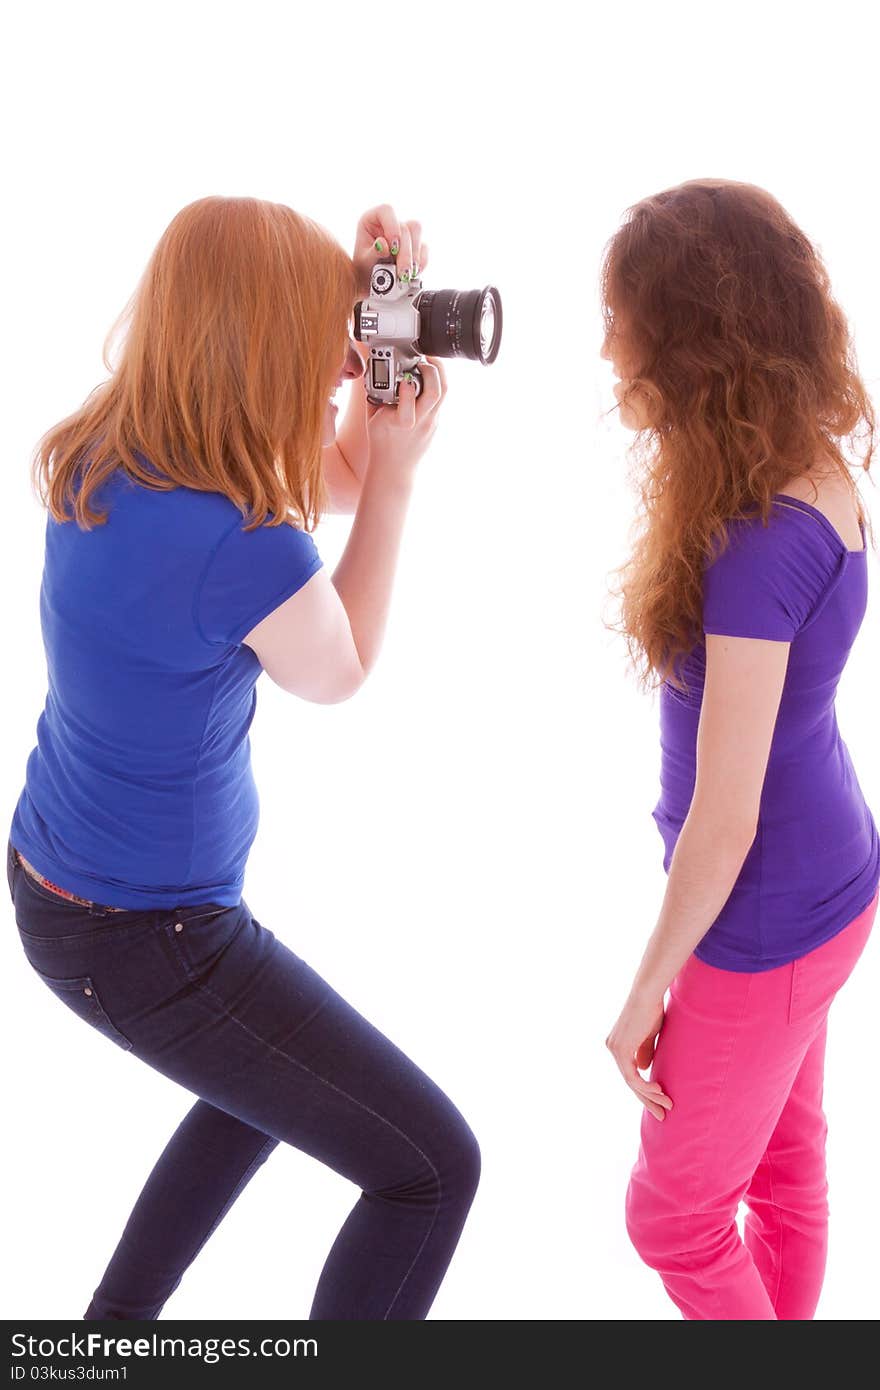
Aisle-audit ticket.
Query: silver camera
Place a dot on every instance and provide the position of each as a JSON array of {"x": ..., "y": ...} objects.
[{"x": 404, "y": 323}]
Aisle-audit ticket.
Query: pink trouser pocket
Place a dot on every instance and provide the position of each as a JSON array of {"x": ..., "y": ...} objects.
[{"x": 817, "y": 976}]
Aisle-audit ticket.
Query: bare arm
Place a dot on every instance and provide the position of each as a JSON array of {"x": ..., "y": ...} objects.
[
  {"x": 743, "y": 687},
  {"x": 346, "y": 459},
  {"x": 364, "y": 576},
  {"x": 322, "y": 642},
  {"x": 741, "y": 695}
]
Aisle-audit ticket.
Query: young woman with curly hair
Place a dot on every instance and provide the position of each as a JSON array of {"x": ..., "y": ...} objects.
[{"x": 744, "y": 594}]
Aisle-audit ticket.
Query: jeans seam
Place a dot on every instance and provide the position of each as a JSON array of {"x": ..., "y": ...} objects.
[
  {"x": 418, "y": 1253},
  {"x": 204, "y": 989}
]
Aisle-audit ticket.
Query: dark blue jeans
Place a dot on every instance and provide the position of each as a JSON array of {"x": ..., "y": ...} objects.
[{"x": 209, "y": 997}]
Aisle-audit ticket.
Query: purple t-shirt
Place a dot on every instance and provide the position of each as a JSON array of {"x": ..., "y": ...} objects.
[{"x": 814, "y": 864}]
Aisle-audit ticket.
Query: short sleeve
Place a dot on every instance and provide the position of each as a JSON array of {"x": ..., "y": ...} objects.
[
  {"x": 248, "y": 574},
  {"x": 768, "y": 580}
]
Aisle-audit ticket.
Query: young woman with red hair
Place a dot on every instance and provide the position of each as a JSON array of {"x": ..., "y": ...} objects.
[
  {"x": 194, "y": 476},
  {"x": 744, "y": 594}
]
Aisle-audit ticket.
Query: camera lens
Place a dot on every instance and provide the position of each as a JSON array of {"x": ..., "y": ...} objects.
[
  {"x": 460, "y": 323},
  {"x": 487, "y": 326}
]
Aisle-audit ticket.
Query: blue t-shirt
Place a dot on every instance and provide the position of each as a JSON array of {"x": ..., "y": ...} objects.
[
  {"x": 139, "y": 792},
  {"x": 814, "y": 864}
]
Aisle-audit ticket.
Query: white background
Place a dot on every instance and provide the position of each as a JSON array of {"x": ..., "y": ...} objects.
[{"x": 465, "y": 849}]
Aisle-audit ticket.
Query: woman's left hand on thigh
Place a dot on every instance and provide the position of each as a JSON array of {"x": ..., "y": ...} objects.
[{"x": 631, "y": 1043}]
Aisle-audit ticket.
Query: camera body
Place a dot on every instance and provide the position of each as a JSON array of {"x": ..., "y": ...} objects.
[
  {"x": 390, "y": 322},
  {"x": 402, "y": 323}
]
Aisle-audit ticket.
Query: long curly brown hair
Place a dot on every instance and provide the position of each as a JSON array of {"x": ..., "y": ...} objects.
[
  {"x": 748, "y": 378},
  {"x": 231, "y": 343}
]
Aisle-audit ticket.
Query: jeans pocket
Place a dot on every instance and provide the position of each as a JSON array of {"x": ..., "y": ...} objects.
[
  {"x": 79, "y": 994},
  {"x": 201, "y": 935}
]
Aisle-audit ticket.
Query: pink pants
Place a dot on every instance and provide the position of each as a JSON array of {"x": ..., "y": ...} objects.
[{"x": 742, "y": 1058}]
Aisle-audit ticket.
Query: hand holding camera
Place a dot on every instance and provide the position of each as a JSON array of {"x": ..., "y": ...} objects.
[
  {"x": 398, "y": 438},
  {"x": 381, "y": 233},
  {"x": 408, "y": 330},
  {"x": 401, "y": 321}
]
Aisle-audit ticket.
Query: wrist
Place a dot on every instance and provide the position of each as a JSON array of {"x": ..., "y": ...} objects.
[
  {"x": 390, "y": 475},
  {"x": 647, "y": 990}
]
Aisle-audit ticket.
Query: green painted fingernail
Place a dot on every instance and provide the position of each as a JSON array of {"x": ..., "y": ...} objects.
[
  {"x": 377, "y": 245},
  {"x": 404, "y": 275},
  {"x": 407, "y": 376},
  {"x": 395, "y": 247}
]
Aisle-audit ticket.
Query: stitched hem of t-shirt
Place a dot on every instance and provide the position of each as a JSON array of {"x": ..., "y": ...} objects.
[
  {"x": 96, "y": 890},
  {"x": 840, "y": 556},
  {"x": 758, "y": 967},
  {"x": 277, "y": 599},
  {"x": 242, "y": 630},
  {"x": 762, "y": 636}
]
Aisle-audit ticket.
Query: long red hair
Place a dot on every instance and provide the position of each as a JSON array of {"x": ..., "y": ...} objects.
[
  {"x": 748, "y": 376},
  {"x": 234, "y": 337}
]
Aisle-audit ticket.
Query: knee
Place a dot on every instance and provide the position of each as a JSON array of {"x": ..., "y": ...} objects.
[
  {"x": 439, "y": 1169},
  {"x": 461, "y": 1161},
  {"x": 659, "y": 1227},
  {"x": 645, "y": 1227},
  {"x": 668, "y": 1236},
  {"x": 470, "y": 1163}
]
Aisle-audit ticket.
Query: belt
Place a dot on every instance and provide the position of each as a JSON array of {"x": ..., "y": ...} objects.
[{"x": 61, "y": 892}]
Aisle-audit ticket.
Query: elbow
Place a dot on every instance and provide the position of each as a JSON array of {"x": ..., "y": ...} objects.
[
  {"x": 730, "y": 828},
  {"x": 343, "y": 690},
  {"x": 341, "y": 697},
  {"x": 741, "y": 837}
]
